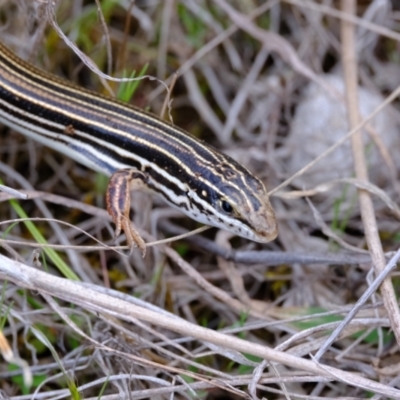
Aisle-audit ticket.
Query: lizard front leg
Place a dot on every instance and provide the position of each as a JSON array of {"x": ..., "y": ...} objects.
[{"x": 118, "y": 200}]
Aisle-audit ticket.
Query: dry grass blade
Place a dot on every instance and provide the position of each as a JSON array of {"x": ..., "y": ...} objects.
[
  {"x": 72, "y": 292},
  {"x": 326, "y": 187},
  {"x": 13, "y": 192},
  {"x": 274, "y": 42},
  {"x": 210, "y": 316},
  {"x": 361, "y": 301},
  {"x": 366, "y": 205},
  {"x": 344, "y": 16},
  {"x": 392, "y": 97}
]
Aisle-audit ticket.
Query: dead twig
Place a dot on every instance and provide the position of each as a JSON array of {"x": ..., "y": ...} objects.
[
  {"x": 73, "y": 292},
  {"x": 366, "y": 205}
]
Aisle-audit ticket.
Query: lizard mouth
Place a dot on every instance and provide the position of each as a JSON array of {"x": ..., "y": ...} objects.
[
  {"x": 265, "y": 236},
  {"x": 265, "y": 224},
  {"x": 267, "y": 232}
]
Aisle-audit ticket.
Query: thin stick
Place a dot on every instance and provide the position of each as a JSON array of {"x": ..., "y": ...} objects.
[
  {"x": 361, "y": 301},
  {"x": 366, "y": 205},
  {"x": 34, "y": 279}
]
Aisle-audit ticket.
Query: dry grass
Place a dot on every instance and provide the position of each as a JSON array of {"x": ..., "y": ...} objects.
[{"x": 208, "y": 316}]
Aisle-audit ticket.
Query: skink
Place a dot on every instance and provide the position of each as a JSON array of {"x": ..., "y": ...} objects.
[{"x": 137, "y": 149}]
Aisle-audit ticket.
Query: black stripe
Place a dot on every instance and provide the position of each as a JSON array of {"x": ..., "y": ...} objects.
[
  {"x": 93, "y": 100},
  {"x": 151, "y": 154},
  {"x": 60, "y": 137}
]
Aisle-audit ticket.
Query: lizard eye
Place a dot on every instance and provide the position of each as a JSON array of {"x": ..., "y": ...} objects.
[{"x": 226, "y": 207}]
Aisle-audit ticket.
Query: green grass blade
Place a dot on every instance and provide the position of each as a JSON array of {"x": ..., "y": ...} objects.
[{"x": 50, "y": 253}]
